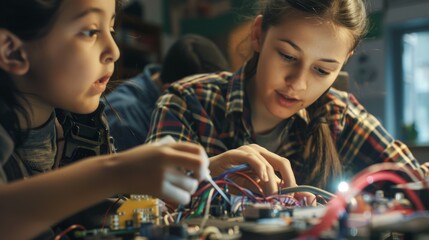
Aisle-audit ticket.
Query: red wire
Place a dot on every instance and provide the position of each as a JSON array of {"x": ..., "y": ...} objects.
[
  {"x": 107, "y": 212},
  {"x": 389, "y": 166},
  {"x": 238, "y": 187},
  {"x": 338, "y": 204},
  {"x": 69, "y": 229},
  {"x": 335, "y": 207},
  {"x": 197, "y": 193},
  {"x": 362, "y": 182},
  {"x": 224, "y": 182},
  {"x": 251, "y": 180},
  {"x": 201, "y": 190},
  {"x": 287, "y": 199}
]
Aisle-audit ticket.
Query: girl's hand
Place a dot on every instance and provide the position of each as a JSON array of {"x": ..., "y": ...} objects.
[
  {"x": 160, "y": 170},
  {"x": 263, "y": 163}
]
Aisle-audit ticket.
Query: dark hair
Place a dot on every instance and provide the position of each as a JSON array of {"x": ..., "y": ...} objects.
[
  {"x": 29, "y": 20},
  {"x": 192, "y": 54},
  {"x": 320, "y": 154}
]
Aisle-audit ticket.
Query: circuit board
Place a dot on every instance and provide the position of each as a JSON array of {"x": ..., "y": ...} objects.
[{"x": 399, "y": 212}]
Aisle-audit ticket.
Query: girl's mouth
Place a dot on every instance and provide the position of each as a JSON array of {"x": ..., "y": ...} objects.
[{"x": 287, "y": 101}]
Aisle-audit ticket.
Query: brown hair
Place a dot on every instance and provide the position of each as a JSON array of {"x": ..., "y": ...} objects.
[{"x": 320, "y": 154}]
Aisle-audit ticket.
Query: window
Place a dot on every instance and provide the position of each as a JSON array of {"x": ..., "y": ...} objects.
[
  {"x": 415, "y": 65},
  {"x": 410, "y": 74}
]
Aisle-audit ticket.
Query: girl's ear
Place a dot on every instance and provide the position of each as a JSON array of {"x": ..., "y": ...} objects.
[
  {"x": 256, "y": 34},
  {"x": 13, "y": 58}
]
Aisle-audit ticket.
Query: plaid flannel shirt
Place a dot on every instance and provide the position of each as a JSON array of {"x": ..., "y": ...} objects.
[{"x": 213, "y": 111}]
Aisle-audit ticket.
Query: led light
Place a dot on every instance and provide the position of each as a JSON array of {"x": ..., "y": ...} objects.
[{"x": 343, "y": 187}]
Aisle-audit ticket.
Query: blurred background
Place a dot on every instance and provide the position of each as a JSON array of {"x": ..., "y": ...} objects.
[{"x": 389, "y": 72}]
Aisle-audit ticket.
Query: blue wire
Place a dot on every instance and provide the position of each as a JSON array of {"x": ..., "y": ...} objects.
[
  {"x": 181, "y": 208},
  {"x": 235, "y": 169},
  {"x": 245, "y": 189}
]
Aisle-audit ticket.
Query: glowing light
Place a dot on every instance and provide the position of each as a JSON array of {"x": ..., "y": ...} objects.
[{"x": 343, "y": 187}]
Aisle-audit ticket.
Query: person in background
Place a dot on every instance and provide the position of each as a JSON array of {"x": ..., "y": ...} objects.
[
  {"x": 278, "y": 113},
  {"x": 60, "y": 54},
  {"x": 132, "y": 102}
]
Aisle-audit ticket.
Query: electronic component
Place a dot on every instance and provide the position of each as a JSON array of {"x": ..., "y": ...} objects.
[
  {"x": 265, "y": 210},
  {"x": 350, "y": 214},
  {"x": 136, "y": 210}
]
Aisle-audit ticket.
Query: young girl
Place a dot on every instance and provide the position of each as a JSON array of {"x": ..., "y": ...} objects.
[
  {"x": 279, "y": 112},
  {"x": 61, "y": 54}
]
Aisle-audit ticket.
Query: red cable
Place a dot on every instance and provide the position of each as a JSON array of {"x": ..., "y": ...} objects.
[
  {"x": 107, "y": 212},
  {"x": 69, "y": 229},
  {"x": 390, "y": 166},
  {"x": 362, "y": 182},
  {"x": 202, "y": 189},
  {"x": 238, "y": 187},
  {"x": 338, "y": 204},
  {"x": 251, "y": 180}
]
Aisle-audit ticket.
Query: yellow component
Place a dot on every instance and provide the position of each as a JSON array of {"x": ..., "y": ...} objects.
[{"x": 140, "y": 209}]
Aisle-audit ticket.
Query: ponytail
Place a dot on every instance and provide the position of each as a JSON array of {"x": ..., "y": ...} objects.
[{"x": 320, "y": 154}]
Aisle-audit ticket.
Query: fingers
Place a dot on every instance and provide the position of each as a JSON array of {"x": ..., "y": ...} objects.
[
  {"x": 166, "y": 164},
  {"x": 174, "y": 193},
  {"x": 200, "y": 170},
  {"x": 240, "y": 156},
  {"x": 191, "y": 157},
  {"x": 177, "y": 186},
  {"x": 181, "y": 180},
  {"x": 280, "y": 164},
  {"x": 264, "y": 164},
  {"x": 187, "y": 147},
  {"x": 187, "y": 156},
  {"x": 270, "y": 183},
  {"x": 307, "y": 199}
]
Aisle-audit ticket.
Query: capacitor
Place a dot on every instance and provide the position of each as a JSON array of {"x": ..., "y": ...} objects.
[{"x": 114, "y": 221}]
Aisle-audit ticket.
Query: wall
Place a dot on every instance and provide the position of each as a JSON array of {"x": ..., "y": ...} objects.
[
  {"x": 368, "y": 71},
  {"x": 371, "y": 81},
  {"x": 153, "y": 13},
  {"x": 152, "y": 10}
]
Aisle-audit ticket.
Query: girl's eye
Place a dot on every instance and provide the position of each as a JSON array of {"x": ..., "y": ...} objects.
[
  {"x": 90, "y": 33},
  {"x": 286, "y": 57},
  {"x": 113, "y": 33},
  {"x": 321, "y": 72}
]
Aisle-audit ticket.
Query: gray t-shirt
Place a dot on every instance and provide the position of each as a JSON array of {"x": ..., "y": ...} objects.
[
  {"x": 39, "y": 150},
  {"x": 274, "y": 138}
]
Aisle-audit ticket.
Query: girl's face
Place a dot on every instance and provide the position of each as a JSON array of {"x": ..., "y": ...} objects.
[
  {"x": 70, "y": 67},
  {"x": 299, "y": 60}
]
